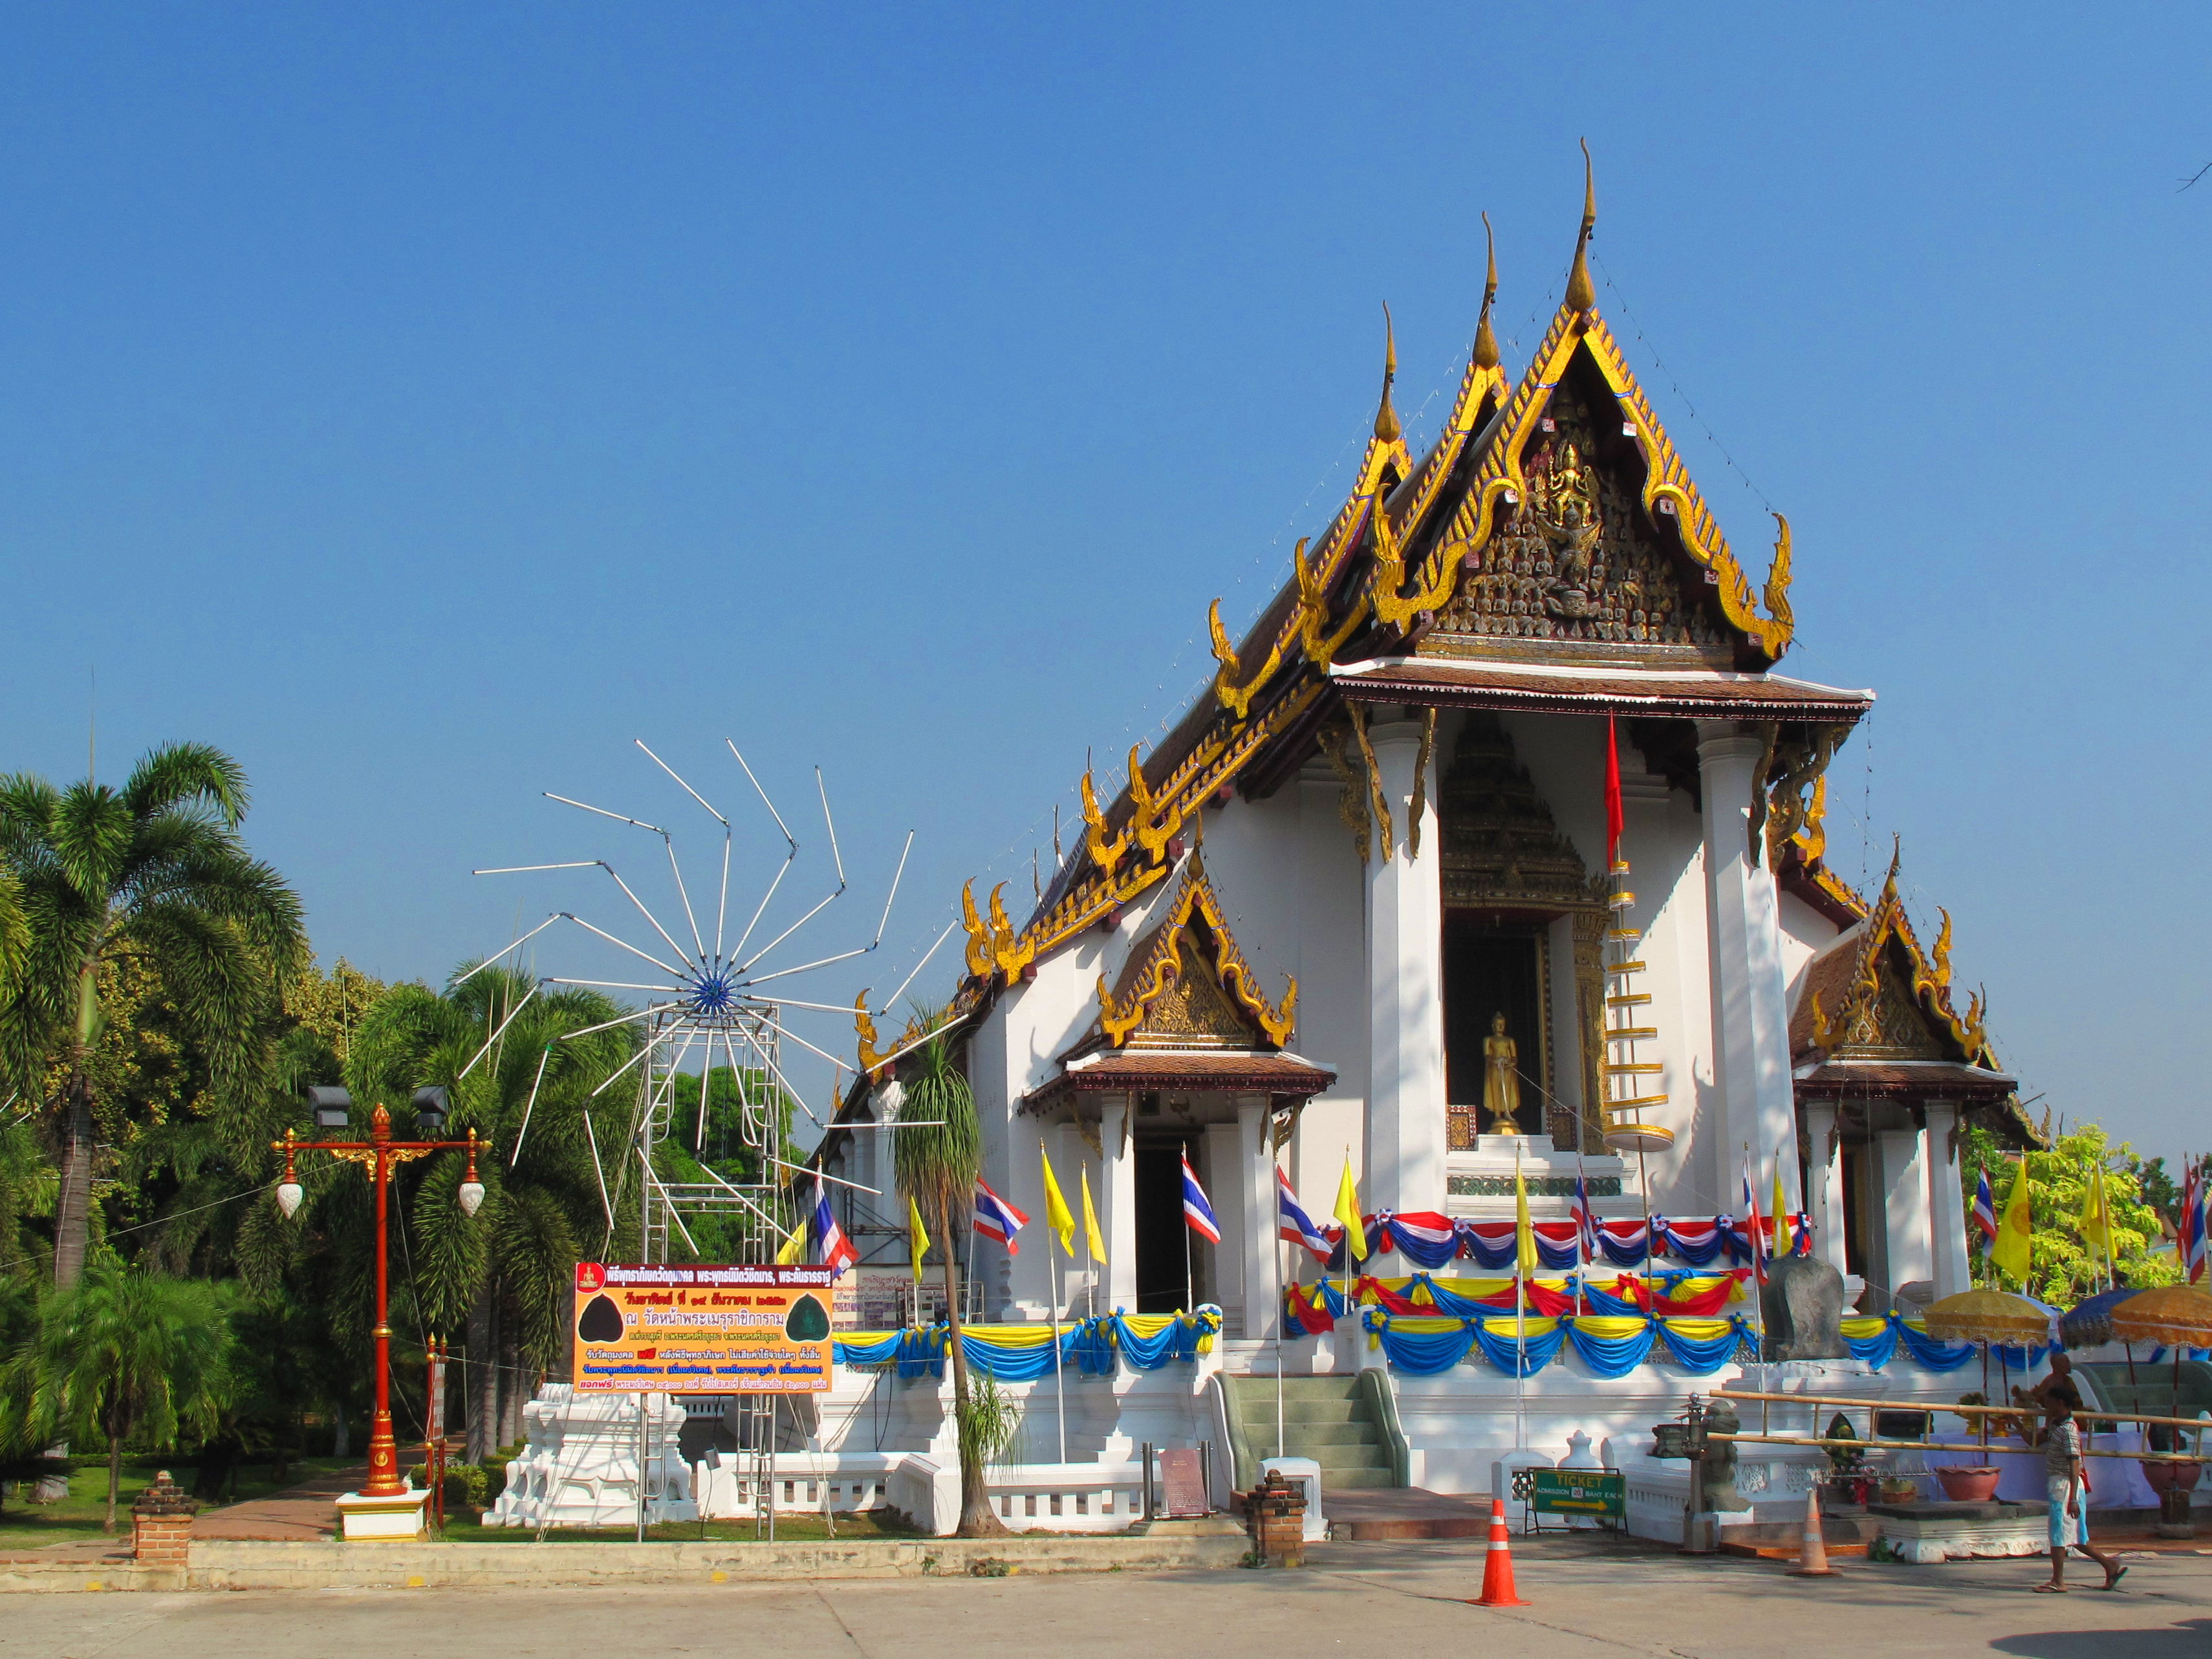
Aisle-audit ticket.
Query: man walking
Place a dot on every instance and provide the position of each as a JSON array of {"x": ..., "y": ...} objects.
[{"x": 2067, "y": 1487}]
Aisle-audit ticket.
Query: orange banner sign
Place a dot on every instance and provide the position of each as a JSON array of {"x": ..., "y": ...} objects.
[{"x": 702, "y": 1330}]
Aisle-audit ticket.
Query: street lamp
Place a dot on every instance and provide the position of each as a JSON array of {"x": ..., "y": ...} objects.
[{"x": 378, "y": 1154}]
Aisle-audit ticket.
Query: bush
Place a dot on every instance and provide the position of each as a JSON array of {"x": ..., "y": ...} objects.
[{"x": 467, "y": 1485}]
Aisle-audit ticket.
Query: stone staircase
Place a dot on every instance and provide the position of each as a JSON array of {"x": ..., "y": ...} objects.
[{"x": 1335, "y": 1420}]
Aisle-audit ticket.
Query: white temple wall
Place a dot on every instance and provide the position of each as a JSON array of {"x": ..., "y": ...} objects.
[
  {"x": 1663, "y": 839},
  {"x": 1804, "y": 934},
  {"x": 1322, "y": 885}
]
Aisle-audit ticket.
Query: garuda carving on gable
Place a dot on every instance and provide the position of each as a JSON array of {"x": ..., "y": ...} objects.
[{"x": 1575, "y": 560}]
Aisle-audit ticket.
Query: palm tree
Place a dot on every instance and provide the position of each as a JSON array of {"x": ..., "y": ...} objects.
[
  {"x": 124, "y": 1354},
  {"x": 153, "y": 874},
  {"x": 500, "y": 1043},
  {"x": 936, "y": 1162}
]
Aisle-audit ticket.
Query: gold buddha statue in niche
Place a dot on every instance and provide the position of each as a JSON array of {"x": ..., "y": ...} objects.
[{"x": 1501, "y": 1078}]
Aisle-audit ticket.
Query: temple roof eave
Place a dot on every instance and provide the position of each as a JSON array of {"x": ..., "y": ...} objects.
[{"x": 1703, "y": 693}]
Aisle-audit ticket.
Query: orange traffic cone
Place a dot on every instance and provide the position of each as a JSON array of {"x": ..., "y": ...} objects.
[
  {"x": 1498, "y": 1564},
  {"x": 1813, "y": 1553}
]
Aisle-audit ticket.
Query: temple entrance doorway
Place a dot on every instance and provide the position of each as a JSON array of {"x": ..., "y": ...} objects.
[
  {"x": 1495, "y": 965},
  {"x": 1165, "y": 1245}
]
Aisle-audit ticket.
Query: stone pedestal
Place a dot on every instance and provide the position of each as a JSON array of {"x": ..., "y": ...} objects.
[{"x": 397, "y": 1519}]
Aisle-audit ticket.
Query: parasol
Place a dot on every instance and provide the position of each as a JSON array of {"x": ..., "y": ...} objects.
[
  {"x": 2179, "y": 1315},
  {"x": 1988, "y": 1316}
]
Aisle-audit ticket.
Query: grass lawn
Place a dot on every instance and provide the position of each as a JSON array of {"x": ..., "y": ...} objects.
[
  {"x": 77, "y": 1519},
  {"x": 866, "y": 1525}
]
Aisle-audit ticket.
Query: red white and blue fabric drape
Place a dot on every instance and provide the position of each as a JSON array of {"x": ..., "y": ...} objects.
[{"x": 1428, "y": 1240}]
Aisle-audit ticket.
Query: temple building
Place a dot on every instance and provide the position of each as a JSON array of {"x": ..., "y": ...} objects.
[{"x": 1364, "y": 908}]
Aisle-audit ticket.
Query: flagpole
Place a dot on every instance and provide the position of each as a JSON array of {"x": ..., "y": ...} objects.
[
  {"x": 1058, "y": 1372},
  {"x": 1279, "y": 1308},
  {"x": 1582, "y": 1200},
  {"x": 1520, "y": 1321}
]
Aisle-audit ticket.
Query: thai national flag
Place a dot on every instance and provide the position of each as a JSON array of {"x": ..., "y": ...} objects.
[
  {"x": 831, "y": 1247},
  {"x": 1197, "y": 1214},
  {"x": 1985, "y": 1207},
  {"x": 2192, "y": 1238},
  {"x": 1755, "y": 1225},
  {"x": 1294, "y": 1225},
  {"x": 996, "y": 1218},
  {"x": 1585, "y": 1221}
]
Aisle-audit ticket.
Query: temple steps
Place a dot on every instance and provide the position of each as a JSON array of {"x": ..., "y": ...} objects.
[{"x": 1327, "y": 1418}]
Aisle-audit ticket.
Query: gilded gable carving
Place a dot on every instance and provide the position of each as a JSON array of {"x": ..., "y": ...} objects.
[
  {"x": 1192, "y": 1008},
  {"x": 1575, "y": 560}
]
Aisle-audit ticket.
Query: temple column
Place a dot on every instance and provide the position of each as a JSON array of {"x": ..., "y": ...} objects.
[
  {"x": 1824, "y": 1183},
  {"x": 1119, "y": 1149},
  {"x": 1947, "y": 1202},
  {"x": 1255, "y": 1189},
  {"x": 1221, "y": 1271},
  {"x": 1405, "y": 986},
  {"x": 1751, "y": 1014},
  {"x": 1903, "y": 1173}
]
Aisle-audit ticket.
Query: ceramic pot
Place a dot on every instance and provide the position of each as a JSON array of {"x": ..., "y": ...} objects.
[
  {"x": 2164, "y": 1478},
  {"x": 1970, "y": 1485}
]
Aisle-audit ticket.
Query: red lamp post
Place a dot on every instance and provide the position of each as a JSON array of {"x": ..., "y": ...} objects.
[{"x": 379, "y": 1154}]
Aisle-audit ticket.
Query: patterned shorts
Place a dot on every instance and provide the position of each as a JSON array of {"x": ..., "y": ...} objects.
[{"x": 2066, "y": 1528}]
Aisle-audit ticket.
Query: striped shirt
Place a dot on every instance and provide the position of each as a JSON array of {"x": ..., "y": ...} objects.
[{"x": 2061, "y": 1449}]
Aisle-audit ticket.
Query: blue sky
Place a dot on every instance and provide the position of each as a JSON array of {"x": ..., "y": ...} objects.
[{"x": 425, "y": 402}]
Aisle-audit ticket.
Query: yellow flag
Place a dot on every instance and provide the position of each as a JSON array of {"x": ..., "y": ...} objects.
[
  {"x": 2009, "y": 1252},
  {"x": 1524, "y": 1231},
  {"x": 1782, "y": 1235},
  {"x": 1056, "y": 1215},
  {"x": 2096, "y": 1223},
  {"x": 917, "y": 1236},
  {"x": 1347, "y": 1212},
  {"x": 1091, "y": 1236},
  {"x": 794, "y": 1246}
]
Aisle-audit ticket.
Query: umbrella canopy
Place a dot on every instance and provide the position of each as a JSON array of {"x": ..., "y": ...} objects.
[
  {"x": 2178, "y": 1315},
  {"x": 2089, "y": 1324},
  {"x": 1988, "y": 1316}
]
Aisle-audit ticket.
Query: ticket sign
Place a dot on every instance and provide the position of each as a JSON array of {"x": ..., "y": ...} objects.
[
  {"x": 1594, "y": 1492},
  {"x": 702, "y": 1330}
]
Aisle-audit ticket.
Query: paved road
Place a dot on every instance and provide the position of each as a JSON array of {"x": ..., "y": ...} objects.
[{"x": 1368, "y": 1599}]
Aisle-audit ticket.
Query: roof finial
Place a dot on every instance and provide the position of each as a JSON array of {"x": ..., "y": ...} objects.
[
  {"x": 1386, "y": 418},
  {"x": 1580, "y": 294},
  {"x": 1485, "y": 342}
]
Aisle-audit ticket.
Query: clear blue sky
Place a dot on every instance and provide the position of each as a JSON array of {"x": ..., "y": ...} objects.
[{"x": 422, "y": 401}]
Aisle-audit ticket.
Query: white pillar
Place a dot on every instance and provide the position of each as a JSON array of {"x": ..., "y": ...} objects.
[
  {"x": 1405, "y": 991},
  {"x": 1823, "y": 1194},
  {"x": 1903, "y": 1192},
  {"x": 1256, "y": 1195},
  {"x": 1221, "y": 1266},
  {"x": 1947, "y": 1202},
  {"x": 1119, "y": 1197},
  {"x": 1751, "y": 1015}
]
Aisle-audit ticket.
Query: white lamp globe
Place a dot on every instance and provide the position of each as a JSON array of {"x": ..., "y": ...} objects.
[
  {"x": 471, "y": 1197},
  {"x": 288, "y": 1195}
]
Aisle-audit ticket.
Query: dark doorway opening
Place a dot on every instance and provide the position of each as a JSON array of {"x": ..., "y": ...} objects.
[
  {"x": 1168, "y": 1259},
  {"x": 1862, "y": 1218},
  {"x": 1494, "y": 966}
]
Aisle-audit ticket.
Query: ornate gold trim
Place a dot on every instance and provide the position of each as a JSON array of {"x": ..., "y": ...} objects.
[{"x": 1120, "y": 1017}]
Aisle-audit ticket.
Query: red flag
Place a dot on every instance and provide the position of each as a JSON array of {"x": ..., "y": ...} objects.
[{"x": 1613, "y": 815}]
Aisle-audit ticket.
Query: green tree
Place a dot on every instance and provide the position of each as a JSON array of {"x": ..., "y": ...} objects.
[
  {"x": 2063, "y": 1267},
  {"x": 507, "y": 1047},
  {"x": 936, "y": 1163},
  {"x": 151, "y": 878},
  {"x": 126, "y": 1355}
]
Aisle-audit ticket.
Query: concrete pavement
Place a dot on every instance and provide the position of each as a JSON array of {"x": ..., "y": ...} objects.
[{"x": 1589, "y": 1600}]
